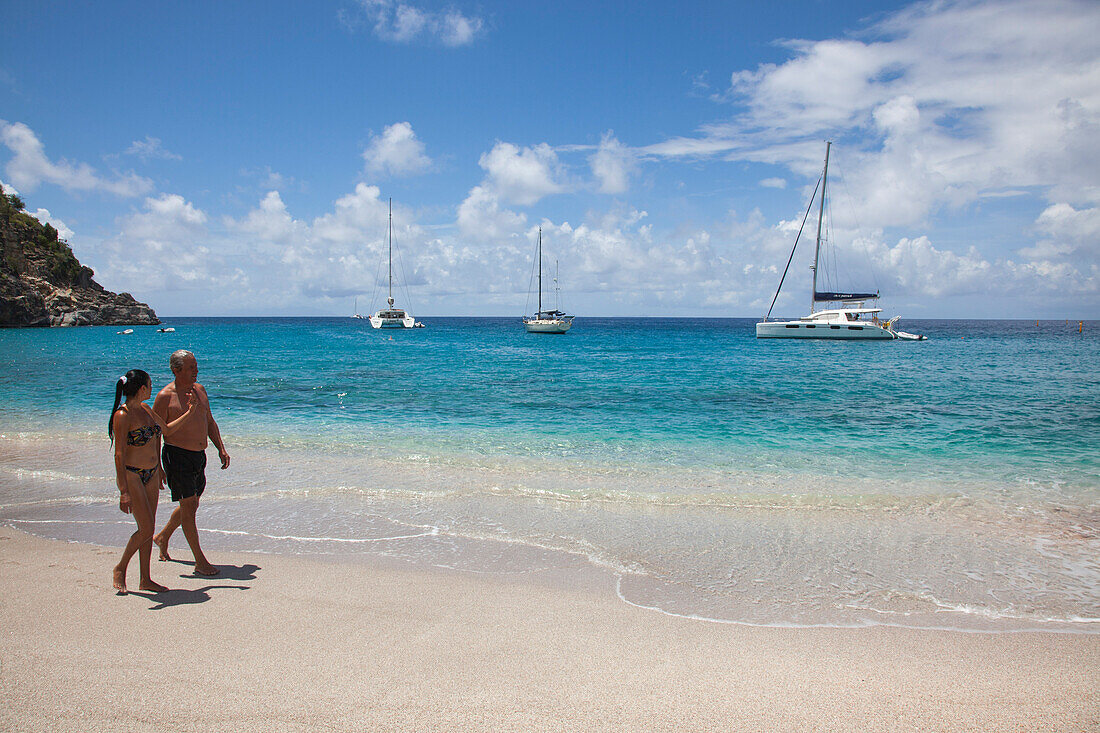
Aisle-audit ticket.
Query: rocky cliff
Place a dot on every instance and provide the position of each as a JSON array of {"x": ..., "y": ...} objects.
[{"x": 43, "y": 284}]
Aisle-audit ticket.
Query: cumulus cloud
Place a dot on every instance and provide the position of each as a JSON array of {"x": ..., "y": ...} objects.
[
  {"x": 271, "y": 222},
  {"x": 401, "y": 22},
  {"x": 522, "y": 175},
  {"x": 396, "y": 151},
  {"x": 1067, "y": 232},
  {"x": 150, "y": 148},
  {"x": 613, "y": 164},
  {"x": 268, "y": 178},
  {"x": 44, "y": 216},
  {"x": 933, "y": 106},
  {"x": 482, "y": 219},
  {"x": 165, "y": 247},
  {"x": 29, "y": 167}
]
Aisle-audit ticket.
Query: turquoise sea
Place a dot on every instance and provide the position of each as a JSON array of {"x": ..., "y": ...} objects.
[{"x": 692, "y": 469}]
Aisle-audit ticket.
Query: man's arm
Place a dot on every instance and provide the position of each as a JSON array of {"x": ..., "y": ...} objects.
[
  {"x": 160, "y": 405},
  {"x": 213, "y": 433}
]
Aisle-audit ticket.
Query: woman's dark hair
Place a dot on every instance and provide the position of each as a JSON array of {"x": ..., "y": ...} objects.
[{"x": 127, "y": 385}]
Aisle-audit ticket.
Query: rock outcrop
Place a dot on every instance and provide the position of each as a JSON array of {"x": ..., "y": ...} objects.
[{"x": 43, "y": 284}]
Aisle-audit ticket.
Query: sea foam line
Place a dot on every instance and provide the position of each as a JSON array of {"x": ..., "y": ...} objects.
[
  {"x": 432, "y": 532},
  {"x": 866, "y": 623}
]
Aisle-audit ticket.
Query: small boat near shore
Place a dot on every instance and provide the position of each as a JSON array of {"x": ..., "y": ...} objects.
[{"x": 846, "y": 323}]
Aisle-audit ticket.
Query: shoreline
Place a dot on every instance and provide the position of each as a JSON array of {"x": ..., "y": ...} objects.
[
  {"x": 298, "y": 643},
  {"x": 656, "y": 550}
]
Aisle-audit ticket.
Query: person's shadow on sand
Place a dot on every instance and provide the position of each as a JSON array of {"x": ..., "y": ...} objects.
[
  {"x": 229, "y": 572},
  {"x": 183, "y": 597}
]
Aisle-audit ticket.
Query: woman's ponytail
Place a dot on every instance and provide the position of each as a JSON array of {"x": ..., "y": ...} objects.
[{"x": 128, "y": 384}]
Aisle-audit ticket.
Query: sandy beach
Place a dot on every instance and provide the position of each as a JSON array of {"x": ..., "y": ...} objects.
[{"x": 293, "y": 643}]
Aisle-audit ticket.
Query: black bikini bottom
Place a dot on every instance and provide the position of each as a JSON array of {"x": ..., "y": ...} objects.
[{"x": 145, "y": 474}]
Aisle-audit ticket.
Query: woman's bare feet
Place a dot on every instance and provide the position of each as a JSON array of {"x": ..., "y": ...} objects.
[
  {"x": 119, "y": 578},
  {"x": 149, "y": 585},
  {"x": 162, "y": 546},
  {"x": 207, "y": 569}
]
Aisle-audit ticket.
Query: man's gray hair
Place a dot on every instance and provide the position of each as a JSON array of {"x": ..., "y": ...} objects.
[{"x": 175, "y": 361}]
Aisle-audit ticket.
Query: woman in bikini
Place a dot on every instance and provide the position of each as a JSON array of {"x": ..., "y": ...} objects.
[{"x": 137, "y": 468}]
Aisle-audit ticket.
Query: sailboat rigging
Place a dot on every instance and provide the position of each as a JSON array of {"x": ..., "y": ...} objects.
[
  {"x": 392, "y": 316},
  {"x": 546, "y": 321},
  {"x": 849, "y": 323}
]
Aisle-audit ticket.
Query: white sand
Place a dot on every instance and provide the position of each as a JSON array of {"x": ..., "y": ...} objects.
[{"x": 289, "y": 643}]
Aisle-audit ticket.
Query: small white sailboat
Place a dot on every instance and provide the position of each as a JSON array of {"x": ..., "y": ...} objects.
[
  {"x": 546, "y": 321},
  {"x": 355, "y": 310},
  {"x": 849, "y": 323},
  {"x": 392, "y": 316}
]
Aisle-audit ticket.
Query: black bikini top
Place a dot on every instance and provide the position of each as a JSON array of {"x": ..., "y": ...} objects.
[{"x": 142, "y": 435}]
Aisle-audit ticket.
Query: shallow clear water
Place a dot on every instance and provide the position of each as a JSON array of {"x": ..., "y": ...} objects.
[{"x": 952, "y": 482}]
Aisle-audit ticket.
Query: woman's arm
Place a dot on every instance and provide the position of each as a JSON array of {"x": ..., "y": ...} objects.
[
  {"x": 173, "y": 426},
  {"x": 122, "y": 425}
]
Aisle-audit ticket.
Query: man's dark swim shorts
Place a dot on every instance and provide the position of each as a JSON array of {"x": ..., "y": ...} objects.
[{"x": 186, "y": 471}]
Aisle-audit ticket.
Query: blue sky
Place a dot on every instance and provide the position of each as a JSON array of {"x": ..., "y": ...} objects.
[{"x": 236, "y": 158}]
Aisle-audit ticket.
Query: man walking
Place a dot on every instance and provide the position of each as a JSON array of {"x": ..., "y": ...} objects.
[{"x": 184, "y": 455}]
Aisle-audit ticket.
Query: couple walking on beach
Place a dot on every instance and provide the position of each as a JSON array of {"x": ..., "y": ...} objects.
[{"x": 181, "y": 414}]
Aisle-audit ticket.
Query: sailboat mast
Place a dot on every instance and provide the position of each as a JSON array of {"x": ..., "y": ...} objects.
[
  {"x": 820, "y": 218},
  {"x": 390, "y": 233},
  {"x": 537, "y": 313}
]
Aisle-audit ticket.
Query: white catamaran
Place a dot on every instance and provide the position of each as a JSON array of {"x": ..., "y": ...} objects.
[
  {"x": 549, "y": 321},
  {"x": 834, "y": 323},
  {"x": 392, "y": 317}
]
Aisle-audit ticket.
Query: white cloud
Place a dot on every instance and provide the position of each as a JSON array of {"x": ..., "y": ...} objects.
[
  {"x": 613, "y": 164},
  {"x": 401, "y": 22},
  {"x": 149, "y": 148},
  {"x": 30, "y": 167},
  {"x": 931, "y": 107},
  {"x": 356, "y": 216},
  {"x": 44, "y": 216},
  {"x": 456, "y": 29},
  {"x": 774, "y": 183},
  {"x": 481, "y": 218},
  {"x": 396, "y": 152},
  {"x": 270, "y": 222},
  {"x": 162, "y": 248},
  {"x": 269, "y": 179},
  {"x": 522, "y": 176},
  {"x": 1068, "y": 233}
]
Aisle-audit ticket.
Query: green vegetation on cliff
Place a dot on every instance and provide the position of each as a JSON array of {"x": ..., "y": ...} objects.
[
  {"x": 43, "y": 284},
  {"x": 60, "y": 264}
]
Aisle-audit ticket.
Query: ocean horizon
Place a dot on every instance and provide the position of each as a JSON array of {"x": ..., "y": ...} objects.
[{"x": 951, "y": 483}]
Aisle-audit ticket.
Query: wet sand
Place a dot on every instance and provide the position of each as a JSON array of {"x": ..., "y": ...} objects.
[{"x": 294, "y": 643}]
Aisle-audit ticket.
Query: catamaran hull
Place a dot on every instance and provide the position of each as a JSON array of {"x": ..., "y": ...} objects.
[
  {"x": 547, "y": 326},
  {"x": 797, "y": 330},
  {"x": 406, "y": 322}
]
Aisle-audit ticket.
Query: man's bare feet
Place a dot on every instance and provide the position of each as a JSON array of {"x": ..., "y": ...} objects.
[
  {"x": 149, "y": 585},
  {"x": 119, "y": 578},
  {"x": 207, "y": 569},
  {"x": 163, "y": 547}
]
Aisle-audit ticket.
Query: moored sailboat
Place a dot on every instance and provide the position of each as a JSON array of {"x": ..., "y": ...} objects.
[
  {"x": 845, "y": 322},
  {"x": 546, "y": 321},
  {"x": 392, "y": 316}
]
